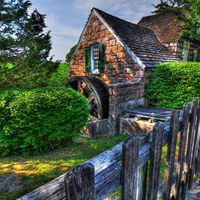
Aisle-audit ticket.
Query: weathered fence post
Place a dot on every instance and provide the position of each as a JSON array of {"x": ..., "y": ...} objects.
[
  {"x": 189, "y": 150},
  {"x": 191, "y": 143},
  {"x": 198, "y": 161},
  {"x": 195, "y": 158},
  {"x": 130, "y": 160},
  {"x": 174, "y": 129},
  {"x": 79, "y": 183},
  {"x": 155, "y": 160},
  {"x": 182, "y": 146}
]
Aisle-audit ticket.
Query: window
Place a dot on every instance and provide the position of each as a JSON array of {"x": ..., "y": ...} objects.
[
  {"x": 94, "y": 58},
  {"x": 185, "y": 52},
  {"x": 194, "y": 55}
]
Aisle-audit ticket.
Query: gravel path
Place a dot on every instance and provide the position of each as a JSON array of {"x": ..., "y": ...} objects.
[{"x": 194, "y": 193}]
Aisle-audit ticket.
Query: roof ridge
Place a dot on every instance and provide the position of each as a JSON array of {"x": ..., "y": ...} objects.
[
  {"x": 100, "y": 11},
  {"x": 128, "y": 22}
]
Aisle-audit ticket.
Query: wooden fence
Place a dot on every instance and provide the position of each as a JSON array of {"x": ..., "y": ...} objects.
[{"x": 126, "y": 164}]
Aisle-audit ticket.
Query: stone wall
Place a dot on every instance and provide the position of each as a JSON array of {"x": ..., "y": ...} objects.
[
  {"x": 122, "y": 75},
  {"x": 116, "y": 59},
  {"x": 115, "y": 111}
]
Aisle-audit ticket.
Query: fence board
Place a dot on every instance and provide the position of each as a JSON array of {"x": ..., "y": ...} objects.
[
  {"x": 51, "y": 191},
  {"x": 182, "y": 146},
  {"x": 194, "y": 163},
  {"x": 192, "y": 137},
  {"x": 106, "y": 159},
  {"x": 107, "y": 181},
  {"x": 198, "y": 161},
  {"x": 191, "y": 144},
  {"x": 130, "y": 159},
  {"x": 142, "y": 182},
  {"x": 174, "y": 128},
  {"x": 79, "y": 183},
  {"x": 156, "y": 151}
]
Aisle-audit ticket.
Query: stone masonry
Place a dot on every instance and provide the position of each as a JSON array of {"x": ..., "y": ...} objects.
[{"x": 122, "y": 75}]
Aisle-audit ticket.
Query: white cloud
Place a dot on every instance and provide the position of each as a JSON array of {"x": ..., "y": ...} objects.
[
  {"x": 60, "y": 28},
  {"x": 125, "y": 9}
]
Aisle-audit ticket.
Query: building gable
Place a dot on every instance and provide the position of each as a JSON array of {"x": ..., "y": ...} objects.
[
  {"x": 140, "y": 43},
  {"x": 168, "y": 31},
  {"x": 164, "y": 26}
]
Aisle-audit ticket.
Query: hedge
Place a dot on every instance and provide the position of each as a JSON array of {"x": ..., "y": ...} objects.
[
  {"x": 38, "y": 120},
  {"x": 173, "y": 84}
]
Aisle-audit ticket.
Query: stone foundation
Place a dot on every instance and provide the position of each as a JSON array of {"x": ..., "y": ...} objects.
[
  {"x": 96, "y": 128},
  {"x": 115, "y": 112},
  {"x": 132, "y": 126},
  {"x": 111, "y": 125}
]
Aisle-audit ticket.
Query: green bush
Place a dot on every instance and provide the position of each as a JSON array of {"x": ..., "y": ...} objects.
[
  {"x": 40, "y": 119},
  {"x": 173, "y": 84},
  {"x": 60, "y": 77}
]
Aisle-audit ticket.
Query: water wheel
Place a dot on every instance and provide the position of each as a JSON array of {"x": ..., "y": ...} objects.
[{"x": 96, "y": 93}]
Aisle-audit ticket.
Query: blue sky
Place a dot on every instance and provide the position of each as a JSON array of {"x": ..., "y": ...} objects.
[{"x": 67, "y": 18}]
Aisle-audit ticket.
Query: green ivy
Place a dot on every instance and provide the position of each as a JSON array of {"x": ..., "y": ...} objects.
[
  {"x": 173, "y": 84},
  {"x": 40, "y": 119}
]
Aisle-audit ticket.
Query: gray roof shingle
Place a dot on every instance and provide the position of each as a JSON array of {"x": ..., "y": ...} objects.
[{"x": 164, "y": 26}]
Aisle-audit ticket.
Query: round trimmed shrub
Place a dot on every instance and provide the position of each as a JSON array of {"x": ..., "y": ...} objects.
[{"x": 41, "y": 119}]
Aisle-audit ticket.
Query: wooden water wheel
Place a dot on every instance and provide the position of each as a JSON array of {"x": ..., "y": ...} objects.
[{"x": 96, "y": 93}]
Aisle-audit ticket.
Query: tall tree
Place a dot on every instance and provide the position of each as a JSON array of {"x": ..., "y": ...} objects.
[
  {"x": 24, "y": 46},
  {"x": 187, "y": 11}
]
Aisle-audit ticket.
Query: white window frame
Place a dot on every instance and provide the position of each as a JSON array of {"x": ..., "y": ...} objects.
[{"x": 94, "y": 54}]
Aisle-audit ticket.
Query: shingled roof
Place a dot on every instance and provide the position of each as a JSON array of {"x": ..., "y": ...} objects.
[
  {"x": 164, "y": 26},
  {"x": 141, "y": 43}
]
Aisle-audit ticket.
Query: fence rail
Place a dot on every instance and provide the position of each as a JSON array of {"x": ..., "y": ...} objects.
[{"x": 126, "y": 164}]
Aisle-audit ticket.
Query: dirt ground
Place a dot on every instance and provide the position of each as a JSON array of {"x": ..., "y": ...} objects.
[
  {"x": 11, "y": 183},
  {"x": 194, "y": 193}
]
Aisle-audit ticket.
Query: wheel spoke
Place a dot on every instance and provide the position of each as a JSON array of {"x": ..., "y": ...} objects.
[
  {"x": 78, "y": 85},
  {"x": 94, "y": 109},
  {"x": 90, "y": 97}
]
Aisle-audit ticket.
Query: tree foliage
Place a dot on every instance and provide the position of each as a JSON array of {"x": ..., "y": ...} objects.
[
  {"x": 69, "y": 55},
  {"x": 187, "y": 11},
  {"x": 24, "y": 46},
  {"x": 60, "y": 77}
]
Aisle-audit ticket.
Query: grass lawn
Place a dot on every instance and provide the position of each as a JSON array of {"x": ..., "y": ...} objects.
[{"x": 34, "y": 171}]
